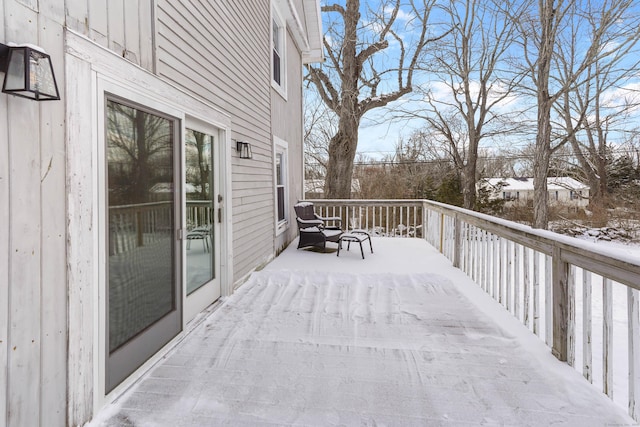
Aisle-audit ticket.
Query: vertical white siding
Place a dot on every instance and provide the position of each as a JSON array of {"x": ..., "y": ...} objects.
[
  {"x": 4, "y": 244},
  {"x": 32, "y": 312},
  {"x": 53, "y": 239},
  {"x": 122, "y": 26},
  {"x": 24, "y": 249},
  {"x": 34, "y": 239}
]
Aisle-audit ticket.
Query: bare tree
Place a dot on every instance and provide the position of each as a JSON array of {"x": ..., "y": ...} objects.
[
  {"x": 320, "y": 124},
  {"x": 549, "y": 31},
  {"x": 603, "y": 96},
  {"x": 466, "y": 104},
  {"x": 370, "y": 62}
]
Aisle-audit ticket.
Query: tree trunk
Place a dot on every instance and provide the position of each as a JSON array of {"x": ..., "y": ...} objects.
[
  {"x": 541, "y": 164},
  {"x": 542, "y": 154},
  {"x": 141, "y": 173},
  {"x": 469, "y": 182},
  {"x": 343, "y": 145},
  {"x": 598, "y": 194},
  {"x": 342, "y": 152}
]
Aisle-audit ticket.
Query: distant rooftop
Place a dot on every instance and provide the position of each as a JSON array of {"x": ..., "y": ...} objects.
[{"x": 523, "y": 184}]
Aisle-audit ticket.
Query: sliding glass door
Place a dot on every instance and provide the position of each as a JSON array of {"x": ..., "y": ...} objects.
[{"x": 144, "y": 310}]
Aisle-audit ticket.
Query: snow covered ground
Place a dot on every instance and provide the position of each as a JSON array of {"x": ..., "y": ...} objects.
[{"x": 399, "y": 338}]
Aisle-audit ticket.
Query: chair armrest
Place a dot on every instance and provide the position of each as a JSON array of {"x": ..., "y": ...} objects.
[
  {"x": 304, "y": 223},
  {"x": 330, "y": 218}
]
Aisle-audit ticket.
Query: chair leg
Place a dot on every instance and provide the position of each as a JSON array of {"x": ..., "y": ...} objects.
[{"x": 361, "y": 250}]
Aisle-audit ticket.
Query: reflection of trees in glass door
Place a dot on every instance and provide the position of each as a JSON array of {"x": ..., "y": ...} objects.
[
  {"x": 200, "y": 189},
  {"x": 143, "y": 311}
]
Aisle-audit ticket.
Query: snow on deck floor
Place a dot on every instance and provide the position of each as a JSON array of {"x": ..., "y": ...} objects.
[{"x": 400, "y": 338}]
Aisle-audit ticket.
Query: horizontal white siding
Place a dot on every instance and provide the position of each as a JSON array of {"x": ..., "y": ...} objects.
[{"x": 220, "y": 51}]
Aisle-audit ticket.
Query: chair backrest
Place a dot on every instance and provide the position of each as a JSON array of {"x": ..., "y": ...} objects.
[{"x": 304, "y": 210}]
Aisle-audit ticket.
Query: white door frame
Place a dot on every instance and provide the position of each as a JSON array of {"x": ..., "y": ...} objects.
[
  {"x": 163, "y": 100},
  {"x": 210, "y": 291},
  {"x": 95, "y": 70}
]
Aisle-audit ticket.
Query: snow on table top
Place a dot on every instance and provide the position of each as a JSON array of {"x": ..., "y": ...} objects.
[{"x": 400, "y": 338}]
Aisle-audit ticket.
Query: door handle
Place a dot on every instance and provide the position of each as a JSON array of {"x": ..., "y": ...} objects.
[{"x": 220, "y": 215}]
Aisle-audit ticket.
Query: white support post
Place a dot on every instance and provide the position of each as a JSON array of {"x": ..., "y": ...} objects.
[
  {"x": 509, "y": 279},
  {"x": 516, "y": 281},
  {"x": 587, "y": 327},
  {"x": 607, "y": 337},
  {"x": 560, "y": 277},
  {"x": 634, "y": 353},
  {"x": 536, "y": 293},
  {"x": 548, "y": 301},
  {"x": 527, "y": 288},
  {"x": 571, "y": 326}
]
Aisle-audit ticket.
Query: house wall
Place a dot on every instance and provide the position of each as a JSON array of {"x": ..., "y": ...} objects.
[
  {"x": 564, "y": 198},
  {"x": 201, "y": 49},
  {"x": 47, "y": 160},
  {"x": 287, "y": 122},
  {"x": 33, "y": 292},
  {"x": 34, "y": 209}
]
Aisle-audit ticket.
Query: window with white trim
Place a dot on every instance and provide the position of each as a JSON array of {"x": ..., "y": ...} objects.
[
  {"x": 278, "y": 53},
  {"x": 281, "y": 181}
]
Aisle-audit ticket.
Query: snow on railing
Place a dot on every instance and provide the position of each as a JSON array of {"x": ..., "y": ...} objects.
[
  {"x": 391, "y": 218},
  {"x": 575, "y": 295}
]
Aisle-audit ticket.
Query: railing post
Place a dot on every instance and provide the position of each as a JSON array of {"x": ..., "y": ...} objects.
[
  {"x": 634, "y": 353},
  {"x": 424, "y": 221},
  {"x": 442, "y": 233},
  {"x": 139, "y": 230},
  {"x": 560, "y": 278},
  {"x": 457, "y": 241}
]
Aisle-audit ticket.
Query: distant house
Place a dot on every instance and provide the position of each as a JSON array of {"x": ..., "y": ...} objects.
[
  {"x": 563, "y": 191},
  {"x": 164, "y": 175}
]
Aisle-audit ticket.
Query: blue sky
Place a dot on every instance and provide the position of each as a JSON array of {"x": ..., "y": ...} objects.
[{"x": 377, "y": 140}]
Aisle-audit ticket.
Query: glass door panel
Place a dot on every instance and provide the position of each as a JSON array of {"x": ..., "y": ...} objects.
[
  {"x": 201, "y": 251},
  {"x": 143, "y": 311},
  {"x": 202, "y": 212}
]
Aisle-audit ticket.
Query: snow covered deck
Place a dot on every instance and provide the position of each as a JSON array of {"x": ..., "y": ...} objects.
[{"x": 399, "y": 338}]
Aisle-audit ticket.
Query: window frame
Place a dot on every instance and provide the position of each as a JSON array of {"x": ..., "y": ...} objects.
[
  {"x": 281, "y": 148},
  {"x": 277, "y": 22}
]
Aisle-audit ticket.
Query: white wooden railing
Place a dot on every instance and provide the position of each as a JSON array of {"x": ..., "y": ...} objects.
[
  {"x": 392, "y": 218},
  {"x": 546, "y": 280}
]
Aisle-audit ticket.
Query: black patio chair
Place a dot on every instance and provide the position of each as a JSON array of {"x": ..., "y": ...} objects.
[{"x": 313, "y": 228}]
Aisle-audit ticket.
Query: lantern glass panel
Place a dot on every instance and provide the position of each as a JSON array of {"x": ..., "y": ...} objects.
[{"x": 15, "y": 72}]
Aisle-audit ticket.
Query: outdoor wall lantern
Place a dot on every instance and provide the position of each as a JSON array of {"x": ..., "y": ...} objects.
[
  {"x": 28, "y": 72},
  {"x": 244, "y": 148}
]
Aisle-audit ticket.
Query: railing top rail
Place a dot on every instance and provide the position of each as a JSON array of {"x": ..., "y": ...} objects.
[
  {"x": 621, "y": 267},
  {"x": 365, "y": 202},
  {"x": 618, "y": 266}
]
